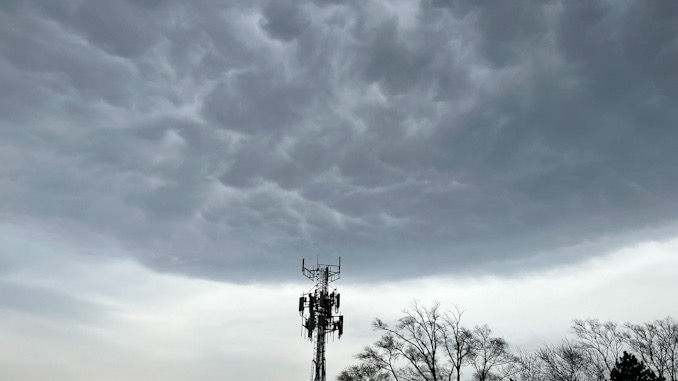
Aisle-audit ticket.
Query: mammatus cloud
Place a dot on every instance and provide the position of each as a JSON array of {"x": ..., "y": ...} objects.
[{"x": 419, "y": 138}]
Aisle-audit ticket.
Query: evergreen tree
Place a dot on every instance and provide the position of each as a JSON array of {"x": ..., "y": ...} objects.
[{"x": 628, "y": 368}]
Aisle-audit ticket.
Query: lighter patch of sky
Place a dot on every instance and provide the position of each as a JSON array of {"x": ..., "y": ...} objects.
[
  {"x": 406, "y": 12},
  {"x": 137, "y": 323},
  {"x": 169, "y": 151}
]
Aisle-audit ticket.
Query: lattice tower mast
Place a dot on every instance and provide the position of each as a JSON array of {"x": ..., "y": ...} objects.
[{"x": 315, "y": 308}]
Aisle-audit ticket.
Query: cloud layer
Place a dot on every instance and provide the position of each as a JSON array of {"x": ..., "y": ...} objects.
[{"x": 411, "y": 137}]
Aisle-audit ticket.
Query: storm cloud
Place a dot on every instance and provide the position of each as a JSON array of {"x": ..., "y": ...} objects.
[{"x": 230, "y": 141}]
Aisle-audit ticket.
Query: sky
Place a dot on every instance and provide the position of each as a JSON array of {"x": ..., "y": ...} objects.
[{"x": 166, "y": 165}]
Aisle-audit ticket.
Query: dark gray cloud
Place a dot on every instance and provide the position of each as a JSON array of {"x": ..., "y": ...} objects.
[
  {"x": 229, "y": 142},
  {"x": 284, "y": 20}
]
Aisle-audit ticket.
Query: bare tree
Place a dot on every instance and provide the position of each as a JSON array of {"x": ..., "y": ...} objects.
[
  {"x": 427, "y": 344},
  {"x": 530, "y": 367},
  {"x": 657, "y": 345},
  {"x": 458, "y": 341},
  {"x": 668, "y": 338},
  {"x": 603, "y": 342},
  {"x": 413, "y": 349},
  {"x": 491, "y": 358},
  {"x": 594, "y": 352},
  {"x": 383, "y": 356},
  {"x": 363, "y": 372},
  {"x": 567, "y": 361}
]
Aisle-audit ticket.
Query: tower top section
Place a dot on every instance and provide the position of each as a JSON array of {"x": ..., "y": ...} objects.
[{"x": 322, "y": 272}]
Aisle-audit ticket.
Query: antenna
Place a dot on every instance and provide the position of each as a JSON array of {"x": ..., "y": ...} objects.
[{"x": 315, "y": 308}]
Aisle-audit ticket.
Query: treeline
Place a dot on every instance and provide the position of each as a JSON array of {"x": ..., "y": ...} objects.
[{"x": 429, "y": 344}]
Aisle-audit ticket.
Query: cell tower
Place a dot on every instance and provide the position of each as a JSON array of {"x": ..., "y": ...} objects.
[{"x": 315, "y": 308}]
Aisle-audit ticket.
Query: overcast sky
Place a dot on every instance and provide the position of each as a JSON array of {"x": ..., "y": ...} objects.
[{"x": 165, "y": 165}]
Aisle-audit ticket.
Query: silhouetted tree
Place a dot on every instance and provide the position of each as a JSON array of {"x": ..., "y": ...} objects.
[
  {"x": 458, "y": 341},
  {"x": 428, "y": 345},
  {"x": 628, "y": 368},
  {"x": 657, "y": 345},
  {"x": 603, "y": 342},
  {"x": 412, "y": 350},
  {"x": 593, "y": 353},
  {"x": 491, "y": 358},
  {"x": 363, "y": 372},
  {"x": 530, "y": 367},
  {"x": 567, "y": 361}
]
